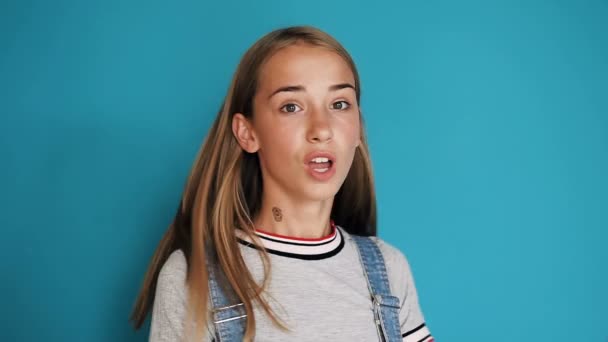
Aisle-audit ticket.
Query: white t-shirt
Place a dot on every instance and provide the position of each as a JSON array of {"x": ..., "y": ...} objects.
[{"x": 317, "y": 285}]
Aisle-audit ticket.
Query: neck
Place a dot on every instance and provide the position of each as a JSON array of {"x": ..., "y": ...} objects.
[{"x": 299, "y": 219}]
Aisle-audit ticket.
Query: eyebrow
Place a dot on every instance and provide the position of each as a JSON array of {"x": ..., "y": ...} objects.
[{"x": 302, "y": 88}]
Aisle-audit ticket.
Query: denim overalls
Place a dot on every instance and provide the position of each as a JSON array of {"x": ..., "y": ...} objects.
[{"x": 229, "y": 313}]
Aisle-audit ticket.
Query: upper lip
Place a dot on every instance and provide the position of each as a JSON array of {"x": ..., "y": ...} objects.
[{"x": 319, "y": 154}]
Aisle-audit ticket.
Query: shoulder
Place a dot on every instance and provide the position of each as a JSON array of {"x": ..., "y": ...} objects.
[
  {"x": 170, "y": 300},
  {"x": 397, "y": 267},
  {"x": 396, "y": 263},
  {"x": 175, "y": 267},
  {"x": 394, "y": 259},
  {"x": 171, "y": 284}
]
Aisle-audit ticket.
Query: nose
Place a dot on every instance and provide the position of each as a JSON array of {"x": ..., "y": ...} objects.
[{"x": 319, "y": 128}]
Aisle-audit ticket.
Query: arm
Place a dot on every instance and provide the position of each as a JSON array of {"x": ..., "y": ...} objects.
[
  {"x": 413, "y": 326},
  {"x": 170, "y": 301}
]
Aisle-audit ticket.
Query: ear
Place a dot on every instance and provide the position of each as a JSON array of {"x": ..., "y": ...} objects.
[{"x": 243, "y": 132}]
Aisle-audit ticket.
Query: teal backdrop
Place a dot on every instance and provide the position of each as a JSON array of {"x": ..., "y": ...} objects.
[{"x": 487, "y": 122}]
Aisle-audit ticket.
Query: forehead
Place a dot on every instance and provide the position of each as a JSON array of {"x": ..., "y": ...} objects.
[{"x": 302, "y": 64}]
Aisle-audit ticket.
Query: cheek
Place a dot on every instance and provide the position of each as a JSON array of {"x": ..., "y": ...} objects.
[
  {"x": 277, "y": 143},
  {"x": 358, "y": 133},
  {"x": 352, "y": 131}
]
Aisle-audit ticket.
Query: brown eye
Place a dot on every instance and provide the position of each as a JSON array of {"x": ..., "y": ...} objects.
[
  {"x": 290, "y": 108},
  {"x": 341, "y": 105}
]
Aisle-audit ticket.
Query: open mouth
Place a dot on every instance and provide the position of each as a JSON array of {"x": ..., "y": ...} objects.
[{"x": 320, "y": 164}]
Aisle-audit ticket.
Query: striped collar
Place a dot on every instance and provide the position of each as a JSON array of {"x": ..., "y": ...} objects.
[{"x": 297, "y": 248}]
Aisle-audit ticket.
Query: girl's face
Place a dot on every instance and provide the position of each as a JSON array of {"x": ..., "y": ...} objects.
[{"x": 305, "y": 126}]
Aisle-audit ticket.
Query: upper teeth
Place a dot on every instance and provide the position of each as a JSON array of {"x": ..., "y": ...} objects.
[{"x": 320, "y": 160}]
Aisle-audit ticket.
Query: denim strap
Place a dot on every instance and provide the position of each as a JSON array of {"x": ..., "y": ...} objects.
[
  {"x": 386, "y": 306},
  {"x": 228, "y": 312}
]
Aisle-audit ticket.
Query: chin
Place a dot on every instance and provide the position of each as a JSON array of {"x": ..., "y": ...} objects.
[{"x": 320, "y": 192}]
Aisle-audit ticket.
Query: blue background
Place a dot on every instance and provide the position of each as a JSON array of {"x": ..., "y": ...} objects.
[{"x": 487, "y": 121}]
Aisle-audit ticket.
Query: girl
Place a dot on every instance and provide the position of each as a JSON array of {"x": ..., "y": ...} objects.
[{"x": 275, "y": 235}]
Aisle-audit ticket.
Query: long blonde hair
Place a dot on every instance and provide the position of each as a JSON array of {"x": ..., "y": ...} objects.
[{"x": 224, "y": 192}]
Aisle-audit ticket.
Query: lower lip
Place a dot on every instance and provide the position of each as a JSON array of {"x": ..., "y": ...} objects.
[{"x": 322, "y": 176}]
